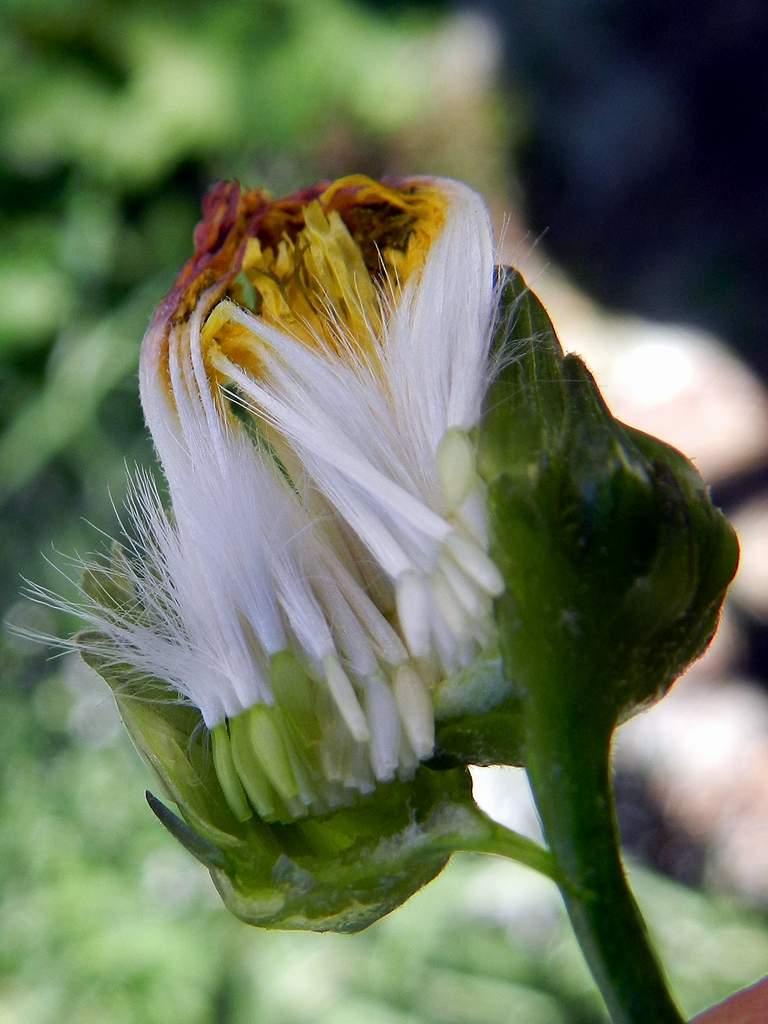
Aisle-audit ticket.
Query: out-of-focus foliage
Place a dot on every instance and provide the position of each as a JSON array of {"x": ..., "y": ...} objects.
[
  {"x": 114, "y": 118},
  {"x": 105, "y": 918}
]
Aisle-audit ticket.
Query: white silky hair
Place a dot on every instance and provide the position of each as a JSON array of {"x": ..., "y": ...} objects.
[
  {"x": 216, "y": 590},
  {"x": 438, "y": 339},
  {"x": 367, "y": 428},
  {"x": 263, "y": 578},
  {"x": 240, "y": 569}
]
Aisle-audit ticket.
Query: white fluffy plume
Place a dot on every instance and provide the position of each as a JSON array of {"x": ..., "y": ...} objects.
[{"x": 383, "y": 501}]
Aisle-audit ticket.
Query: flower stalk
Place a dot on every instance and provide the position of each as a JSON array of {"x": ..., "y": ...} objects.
[{"x": 570, "y": 779}]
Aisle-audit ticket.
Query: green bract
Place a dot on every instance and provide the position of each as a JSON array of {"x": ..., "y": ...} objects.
[{"x": 339, "y": 871}]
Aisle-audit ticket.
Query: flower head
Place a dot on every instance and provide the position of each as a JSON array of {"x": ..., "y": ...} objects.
[
  {"x": 317, "y": 595},
  {"x": 311, "y": 384}
]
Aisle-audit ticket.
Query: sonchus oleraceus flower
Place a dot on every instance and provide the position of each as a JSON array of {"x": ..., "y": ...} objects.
[
  {"x": 311, "y": 384},
  {"x": 322, "y": 630}
]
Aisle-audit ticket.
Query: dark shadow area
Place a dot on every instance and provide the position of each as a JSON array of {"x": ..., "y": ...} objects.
[{"x": 643, "y": 158}]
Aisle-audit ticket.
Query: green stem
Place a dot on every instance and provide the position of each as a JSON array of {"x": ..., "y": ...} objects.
[
  {"x": 570, "y": 776},
  {"x": 503, "y": 842}
]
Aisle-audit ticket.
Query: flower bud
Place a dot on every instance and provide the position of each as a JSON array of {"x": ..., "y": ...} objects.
[
  {"x": 614, "y": 558},
  {"x": 286, "y": 633}
]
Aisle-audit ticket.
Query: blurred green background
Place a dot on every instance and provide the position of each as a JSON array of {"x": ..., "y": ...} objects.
[{"x": 114, "y": 118}]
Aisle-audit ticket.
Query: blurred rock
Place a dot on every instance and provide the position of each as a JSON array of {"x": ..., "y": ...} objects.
[
  {"x": 751, "y": 584},
  {"x": 704, "y": 754}
]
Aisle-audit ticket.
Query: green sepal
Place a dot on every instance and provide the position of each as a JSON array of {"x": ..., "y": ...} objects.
[
  {"x": 344, "y": 870},
  {"x": 210, "y": 856},
  {"x": 339, "y": 871}
]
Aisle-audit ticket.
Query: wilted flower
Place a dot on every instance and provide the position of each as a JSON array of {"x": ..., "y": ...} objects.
[
  {"x": 310, "y": 384},
  {"x": 405, "y": 535}
]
